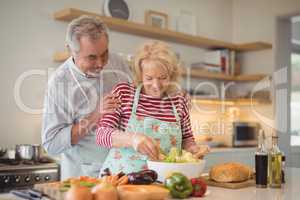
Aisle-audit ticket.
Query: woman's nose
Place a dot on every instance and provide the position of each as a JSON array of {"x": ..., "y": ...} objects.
[{"x": 156, "y": 84}]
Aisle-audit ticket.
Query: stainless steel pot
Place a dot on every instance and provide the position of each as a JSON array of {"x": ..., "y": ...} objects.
[
  {"x": 2, "y": 151},
  {"x": 28, "y": 152},
  {"x": 37, "y": 152}
]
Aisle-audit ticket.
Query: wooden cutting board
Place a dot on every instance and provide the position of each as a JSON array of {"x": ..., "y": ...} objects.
[
  {"x": 238, "y": 185},
  {"x": 51, "y": 189}
]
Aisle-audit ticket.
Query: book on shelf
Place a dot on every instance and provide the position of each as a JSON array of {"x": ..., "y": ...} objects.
[
  {"x": 219, "y": 61},
  {"x": 212, "y": 69}
]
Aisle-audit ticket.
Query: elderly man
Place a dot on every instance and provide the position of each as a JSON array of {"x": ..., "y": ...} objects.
[{"x": 76, "y": 100}]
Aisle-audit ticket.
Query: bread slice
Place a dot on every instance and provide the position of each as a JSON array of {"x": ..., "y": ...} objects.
[{"x": 230, "y": 172}]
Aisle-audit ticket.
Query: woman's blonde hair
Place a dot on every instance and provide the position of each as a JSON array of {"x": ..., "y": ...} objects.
[{"x": 162, "y": 55}]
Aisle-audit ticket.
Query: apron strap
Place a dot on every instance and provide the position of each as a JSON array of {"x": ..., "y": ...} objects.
[
  {"x": 136, "y": 98},
  {"x": 175, "y": 110},
  {"x": 136, "y": 101}
]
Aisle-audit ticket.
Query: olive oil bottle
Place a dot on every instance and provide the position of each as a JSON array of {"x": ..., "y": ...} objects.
[{"x": 275, "y": 164}]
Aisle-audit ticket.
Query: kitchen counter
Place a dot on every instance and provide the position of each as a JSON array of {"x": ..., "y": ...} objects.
[
  {"x": 289, "y": 191},
  {"x": 231, "y": 149}
]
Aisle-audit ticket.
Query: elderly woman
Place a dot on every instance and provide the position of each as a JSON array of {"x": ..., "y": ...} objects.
[{"x": 153, "y": 115}]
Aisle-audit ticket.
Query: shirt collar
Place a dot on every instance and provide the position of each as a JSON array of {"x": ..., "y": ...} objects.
[{"x": 72, "y": 64}]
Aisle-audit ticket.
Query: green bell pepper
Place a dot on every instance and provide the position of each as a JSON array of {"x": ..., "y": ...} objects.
[{"x": 179, "y": 185}]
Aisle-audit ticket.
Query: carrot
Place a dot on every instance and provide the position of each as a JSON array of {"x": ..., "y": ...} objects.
[
  {"x": 107, "y": 179},
  {"x": 114, "y": 180},
  {"x": 123, "y": 180}
]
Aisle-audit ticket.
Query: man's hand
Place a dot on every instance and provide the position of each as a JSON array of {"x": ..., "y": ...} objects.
[{"x": 108, "y": 104}]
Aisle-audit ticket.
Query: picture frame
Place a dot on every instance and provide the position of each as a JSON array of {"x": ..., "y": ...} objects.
[
  {"x": 156, "y": 19},
  {"x": 186, "y": 23}
]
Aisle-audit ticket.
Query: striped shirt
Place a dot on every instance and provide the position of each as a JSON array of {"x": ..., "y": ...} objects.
[{"x": 159, "y": 108}]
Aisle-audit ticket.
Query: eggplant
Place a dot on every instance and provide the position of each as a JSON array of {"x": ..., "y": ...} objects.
[
  {"x": 106, "y": 172},
  {"x": 143, "y": 177},
  {"x": 149, "y": 172}
]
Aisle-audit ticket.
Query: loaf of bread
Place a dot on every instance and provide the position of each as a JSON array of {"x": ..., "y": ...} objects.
[{"x": 230, "y": 172}]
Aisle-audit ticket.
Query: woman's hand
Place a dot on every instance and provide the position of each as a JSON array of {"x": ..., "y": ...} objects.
[
  {"x": 198, "y": 151},
  {"x": 145, "y": 145}
]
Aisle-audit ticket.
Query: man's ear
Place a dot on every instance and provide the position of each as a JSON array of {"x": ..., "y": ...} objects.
[{"x": 69, "y": 50}]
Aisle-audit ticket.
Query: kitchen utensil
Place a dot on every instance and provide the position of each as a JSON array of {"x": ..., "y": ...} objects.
[
  {"x": 163, "y": 169},
  {"x": 37, "y": 152},
  {"x": 24, "y": 194},
  {"x": 30, "y": 194},
  {"x": 24, "y": 152},
  {"x": 28, "y": 152},
  {"x": 2, "y": 151}
]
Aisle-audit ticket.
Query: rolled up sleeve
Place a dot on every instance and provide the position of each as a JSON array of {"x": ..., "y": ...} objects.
[{"x": 57, "y": 120}]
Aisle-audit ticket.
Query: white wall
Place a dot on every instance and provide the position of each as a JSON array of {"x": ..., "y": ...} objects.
[
  {"x": 260, "y": 19},
  {"x": 29, "y": 37},
  {"x": 255, "y": 20},
  {"x": 296, "y": 30}
]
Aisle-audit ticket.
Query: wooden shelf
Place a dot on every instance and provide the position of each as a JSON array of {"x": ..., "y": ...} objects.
[
  {"x": 195, "y": 73},
  {"x": 61, "y": 56},
  {"x": 198, "y": 73},
  {"x": 253, "y": 46},
  {"x": 231, "y": 102},
  {"x": 163, "y": 34}
]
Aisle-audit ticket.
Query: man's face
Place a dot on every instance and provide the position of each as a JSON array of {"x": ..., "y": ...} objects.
[{"x": 93, "y": 55}]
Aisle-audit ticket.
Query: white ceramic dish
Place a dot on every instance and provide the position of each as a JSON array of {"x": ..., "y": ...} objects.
[{"x": 164, "y": 169}]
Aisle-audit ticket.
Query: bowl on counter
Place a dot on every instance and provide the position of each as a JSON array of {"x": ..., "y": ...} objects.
[{"x": 189, "y": 169}]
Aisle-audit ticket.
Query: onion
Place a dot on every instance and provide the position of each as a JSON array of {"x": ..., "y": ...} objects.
[
  {"x": 105, "y": 191},
  {"x": 77, "y": 192}
]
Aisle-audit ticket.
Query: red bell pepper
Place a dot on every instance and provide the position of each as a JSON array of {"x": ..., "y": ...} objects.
[{"x": 199, "y": 187}]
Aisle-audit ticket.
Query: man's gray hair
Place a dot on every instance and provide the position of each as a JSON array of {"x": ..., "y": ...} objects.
[{"x": 85, "y": 25}]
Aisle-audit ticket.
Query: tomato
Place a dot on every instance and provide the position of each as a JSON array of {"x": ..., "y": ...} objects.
[{"x": 199, "y": 187}]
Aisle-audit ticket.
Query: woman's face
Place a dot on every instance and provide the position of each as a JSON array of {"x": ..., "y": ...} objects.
[{"x": 155, "y": 78}]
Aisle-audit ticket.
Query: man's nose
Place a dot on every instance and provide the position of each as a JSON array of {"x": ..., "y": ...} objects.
[{"x": 99, "y": 62}]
